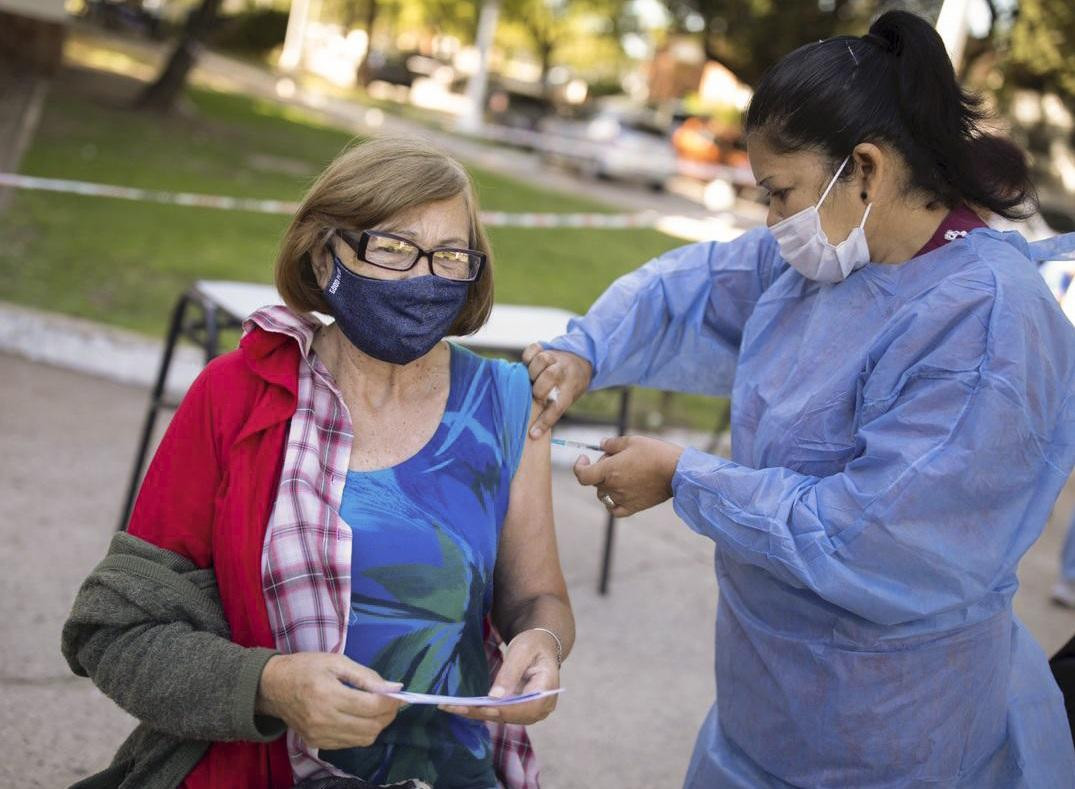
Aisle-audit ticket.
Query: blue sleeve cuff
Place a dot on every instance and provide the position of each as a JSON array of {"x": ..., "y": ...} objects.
[
  {"x": 694, "y": 463},
  {"x": 578, "y": 343},
  {"x": 693, "y": 492}
]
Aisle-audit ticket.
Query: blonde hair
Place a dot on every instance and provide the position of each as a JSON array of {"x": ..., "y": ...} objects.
[{"x": 365, "y": 185}]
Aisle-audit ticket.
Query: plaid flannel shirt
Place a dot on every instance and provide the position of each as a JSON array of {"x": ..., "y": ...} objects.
[{"x": 306, "y": 559}]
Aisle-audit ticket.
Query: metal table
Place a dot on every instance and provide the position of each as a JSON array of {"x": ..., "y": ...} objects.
[{"x": 221, "y": 305}]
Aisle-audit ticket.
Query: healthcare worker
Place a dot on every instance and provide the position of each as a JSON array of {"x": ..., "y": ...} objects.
[{"x": 903, "y": 417}]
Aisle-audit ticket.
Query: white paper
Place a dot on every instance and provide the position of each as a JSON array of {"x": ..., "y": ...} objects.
[{"x": 472, "y": 701}]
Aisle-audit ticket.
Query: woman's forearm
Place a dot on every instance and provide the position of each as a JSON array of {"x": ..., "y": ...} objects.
[
  {"x": 548, "y": 611},
  {"x": 148, "y": 629},
  {"x": 200, "y": 686}
]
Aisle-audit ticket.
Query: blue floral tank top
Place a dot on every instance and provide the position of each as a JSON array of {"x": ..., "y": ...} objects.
[{"x": 425, "y": 536}]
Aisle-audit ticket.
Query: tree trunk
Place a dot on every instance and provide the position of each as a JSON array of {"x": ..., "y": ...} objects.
[
  {"x": 473, "y": 118},
  {"x": 371, "y": 20},
  {"x": 350, "y": 15},
  {"x": 544, "y": 38},
  {"x": 545, "y": 50},
  {"x": 164, "y": 92}
]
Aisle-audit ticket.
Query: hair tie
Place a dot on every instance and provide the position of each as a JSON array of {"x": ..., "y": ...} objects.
[{"x": 881, "y": 42}]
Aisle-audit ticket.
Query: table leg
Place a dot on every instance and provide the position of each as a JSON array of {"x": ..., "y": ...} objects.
[
  {"x": 212, "y": 331},
  {"x": 174, "y": 330}
]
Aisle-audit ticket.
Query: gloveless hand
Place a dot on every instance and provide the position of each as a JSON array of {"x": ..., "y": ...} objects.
[
  {"x": 529, "y": 666},
  {"x": 329, "y": 700},
  {"x": 635, "y": 473},
  {"x": 559, "y": 379}
]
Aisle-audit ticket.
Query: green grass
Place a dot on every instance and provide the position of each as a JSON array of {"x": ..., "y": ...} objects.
[{"x": 124, "y": 262}]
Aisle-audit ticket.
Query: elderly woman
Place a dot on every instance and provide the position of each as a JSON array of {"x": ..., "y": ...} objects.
[{"x": 329, "y": 514}]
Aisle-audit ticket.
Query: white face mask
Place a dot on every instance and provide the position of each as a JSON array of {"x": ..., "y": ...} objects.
[{"x": 804, "y": 245}]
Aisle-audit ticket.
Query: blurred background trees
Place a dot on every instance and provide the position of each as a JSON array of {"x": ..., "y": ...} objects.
[
  {"x": 1041, "y": 47},
  {"x": 748, "y": 36},
  {"x": 1030, "y": 42},
  {"x": 685, "y": 67}
]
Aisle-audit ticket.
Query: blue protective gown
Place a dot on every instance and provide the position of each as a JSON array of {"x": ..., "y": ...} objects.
[{"x": 898, "y": 440}]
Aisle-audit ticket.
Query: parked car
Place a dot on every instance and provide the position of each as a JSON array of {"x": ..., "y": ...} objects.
[
  {"x": 613, "y": 141},
  {"x": 705, "y": 141},
  {"x": 517, "y": 105},
  {"x": 390, "y": 68},
  {"x": 126, "y": 16}
]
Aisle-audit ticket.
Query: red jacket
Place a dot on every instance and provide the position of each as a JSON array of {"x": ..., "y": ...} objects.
[{"x": 208, "y": 495}]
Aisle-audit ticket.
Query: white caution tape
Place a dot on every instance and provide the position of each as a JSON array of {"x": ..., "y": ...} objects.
[
  {"x": 147, "y": 195},
  {"x": 647, "y": 219}
]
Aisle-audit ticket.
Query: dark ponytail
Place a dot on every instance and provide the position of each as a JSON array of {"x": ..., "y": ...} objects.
[{"x": 894, "y": 85}]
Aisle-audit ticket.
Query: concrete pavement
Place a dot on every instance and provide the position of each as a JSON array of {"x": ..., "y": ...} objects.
[{"x": 638, "y": 683}]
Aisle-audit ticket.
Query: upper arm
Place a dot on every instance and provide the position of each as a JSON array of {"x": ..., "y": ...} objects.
[
  {"x": 676, "y": 323},
  {"x": 528, "y": 562}
]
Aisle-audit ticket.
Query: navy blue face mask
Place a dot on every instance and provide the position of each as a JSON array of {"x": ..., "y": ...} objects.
[{"x": 397, "y": 320}]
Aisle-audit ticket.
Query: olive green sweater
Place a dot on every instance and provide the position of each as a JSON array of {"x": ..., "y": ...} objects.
[{"x": 148, "y": 629}]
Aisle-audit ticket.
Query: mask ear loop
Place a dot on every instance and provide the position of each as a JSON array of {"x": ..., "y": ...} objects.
[
  {"x": 862, "y": 224},
  {"x": 832, "y": 183},
  {"x": 326, "y": 241}
]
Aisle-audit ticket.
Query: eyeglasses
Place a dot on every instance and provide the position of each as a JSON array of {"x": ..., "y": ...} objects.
[{"x": 395, "y": 253}]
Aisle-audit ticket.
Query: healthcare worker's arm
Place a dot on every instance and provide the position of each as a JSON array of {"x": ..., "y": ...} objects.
[
  {"x": 967, "y": 411},
  {"x": 676, "y": 323}
]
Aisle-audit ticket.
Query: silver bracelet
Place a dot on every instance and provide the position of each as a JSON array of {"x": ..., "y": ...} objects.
[{"x": 559, "y": 644}]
